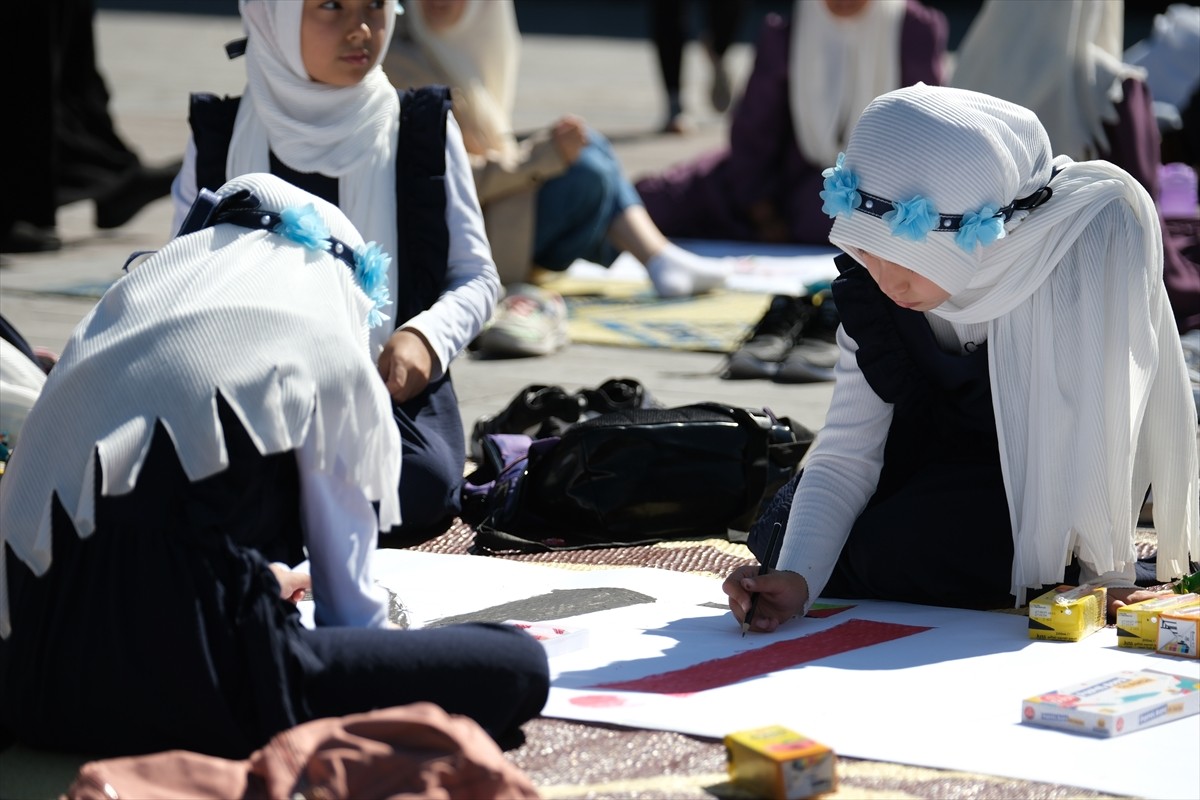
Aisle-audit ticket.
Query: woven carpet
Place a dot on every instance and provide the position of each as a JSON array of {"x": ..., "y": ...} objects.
[{"x": 569, "y": 760}]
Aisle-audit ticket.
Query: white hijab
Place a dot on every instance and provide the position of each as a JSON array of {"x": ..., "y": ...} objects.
[
  {"x": 277, "y": 329},
  {"x": 836, "y": 66},
  {"x": 1060, "y": 59},
  {"x": 348, "y": 133},
  {"x": 1090, "y": 390},
  {"x": 478, "y": 56}
]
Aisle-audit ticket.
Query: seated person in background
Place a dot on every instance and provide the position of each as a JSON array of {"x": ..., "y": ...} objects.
[
  {"x": 1011, "y": 379},
  {"x": 1062, "y": 61},
  {"x": 215, "y": 416},
  {"x": 318, "y": 112},
  {"x": 812, "y": 77},
  {"x": 557, "y": 196}
]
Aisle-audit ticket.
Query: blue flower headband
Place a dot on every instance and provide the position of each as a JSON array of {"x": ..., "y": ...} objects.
[
  {"x": 303, "y": 225},
  {"x": 915, "y": 218}
]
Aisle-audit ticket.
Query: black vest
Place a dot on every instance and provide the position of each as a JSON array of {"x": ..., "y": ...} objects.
[
  {"x": 423, "y": 241},
  {"x": 942, "y": 401}
]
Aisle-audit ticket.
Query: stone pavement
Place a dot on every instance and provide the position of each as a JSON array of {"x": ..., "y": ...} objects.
[{"x": 152, "y": 60}]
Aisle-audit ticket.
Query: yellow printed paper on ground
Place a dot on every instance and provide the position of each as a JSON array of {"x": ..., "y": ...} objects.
[{"x": 630, "y": 314}]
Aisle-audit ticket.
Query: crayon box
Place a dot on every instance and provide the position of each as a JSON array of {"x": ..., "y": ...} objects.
[
  {"x": 1068, "y": 613},
  {"x": 777, "y": 763},
  {"x": 1137, "y": 623},
  {"x": 1178, "y": 631},
  {"x": 1115, "y": 704}
]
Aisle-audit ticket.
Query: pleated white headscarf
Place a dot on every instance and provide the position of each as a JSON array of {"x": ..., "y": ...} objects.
[
  {"x": 344, "y": 132},
  {"x": 277, "y": 329},
  {"x": 1060, "y": 59},
  {"x": 1090, "y": 390},
  {"x": 836, "y": 65},
  {"x": 478, "y": 56}
]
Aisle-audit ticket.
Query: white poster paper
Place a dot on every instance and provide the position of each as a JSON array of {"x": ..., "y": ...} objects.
[{"x": 882, "y": 681}]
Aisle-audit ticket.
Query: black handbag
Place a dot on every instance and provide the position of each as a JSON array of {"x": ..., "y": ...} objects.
[{"x": 632, "y": 477}]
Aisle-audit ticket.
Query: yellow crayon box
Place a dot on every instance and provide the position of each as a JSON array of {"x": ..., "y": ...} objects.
[
  {"x": 1068, "y": 613},
  {"x": 1137, "y": 623},
  {"x": 1178, "y": 631},
  {"x": 777, "y": 763}
]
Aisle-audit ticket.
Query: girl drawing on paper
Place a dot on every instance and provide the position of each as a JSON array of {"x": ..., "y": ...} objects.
[{"x": 1011, "y": 378}]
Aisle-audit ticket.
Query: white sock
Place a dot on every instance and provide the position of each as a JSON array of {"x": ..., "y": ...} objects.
[{"x": 677, "y": 273}]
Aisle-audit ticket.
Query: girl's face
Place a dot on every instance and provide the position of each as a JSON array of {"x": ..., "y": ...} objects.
[
  {"x": 340, "y": 40},
  {"x": 906, "y": 288}
]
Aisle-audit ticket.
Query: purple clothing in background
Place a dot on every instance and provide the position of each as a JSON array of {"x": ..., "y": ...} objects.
[
  {"x": 711, "y": 197},
  {"x": 1134, "y": 146}
]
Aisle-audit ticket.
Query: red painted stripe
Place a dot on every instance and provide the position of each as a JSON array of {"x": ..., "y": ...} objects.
[
  {"x": 819, "y": 611},
  {"x": 851, "y": 635}
]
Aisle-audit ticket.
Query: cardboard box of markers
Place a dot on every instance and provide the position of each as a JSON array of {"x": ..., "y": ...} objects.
[
  {"x": 1138, "y": 623},
  {"x": 1115, "y": 704},
  {"x": 777, "y": 763},
  {"x": 1068, "y": 613}
]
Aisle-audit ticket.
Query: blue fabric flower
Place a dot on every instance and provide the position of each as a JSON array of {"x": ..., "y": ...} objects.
[
  {"x": 371, "y": 271},
  {"x": 980, "y": 228},
  {"x": 912, "y": 219},
  {"x": 841, "y": 189},
  {"x": 302, "y": 224}
]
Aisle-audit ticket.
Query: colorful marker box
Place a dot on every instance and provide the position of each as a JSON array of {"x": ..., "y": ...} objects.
[
  {"x": 555, "y": 638},
  {"x": 777, "y": 763},
  {"x": 1137, "y": 623},
  {"x": 1068, "y": 614},
  {"x": 1115, "y": 704},
  {"x": 1178, "y": 631}
]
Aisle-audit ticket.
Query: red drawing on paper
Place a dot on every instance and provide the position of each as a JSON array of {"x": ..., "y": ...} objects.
[{"x": 852, "y": 635}]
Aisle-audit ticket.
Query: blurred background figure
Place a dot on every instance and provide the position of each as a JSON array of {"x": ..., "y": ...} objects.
[
  {"x": 812, "y": 76},
  {"x": 549, "y": 198},
  {"x": 1171, "y": 57},
  {"x": 670, "y": 25},
  {"x": 64, "y": 146},
  {"x": 1063, "y": 61}
]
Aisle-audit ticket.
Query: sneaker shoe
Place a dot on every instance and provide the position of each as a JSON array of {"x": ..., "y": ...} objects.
[
  {"x": 771, "y": 339},
  {"x": 529, "y": 321},
  {"x": 538, "y": 411}
]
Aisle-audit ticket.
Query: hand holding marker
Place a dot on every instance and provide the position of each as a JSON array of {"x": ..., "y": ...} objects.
[{"x": 762, "y": 570}]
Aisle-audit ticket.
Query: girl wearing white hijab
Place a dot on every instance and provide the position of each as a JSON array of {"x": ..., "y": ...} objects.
[
  {"x": 1063, "y": 61},
  {"x": 319, "y": 111},
  {"x": 1011, "y": 381},
  {"x": 215, "y": 419},
  {"x": 560, "y": 194}
]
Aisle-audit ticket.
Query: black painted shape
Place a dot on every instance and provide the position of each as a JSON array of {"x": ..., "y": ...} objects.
[{"x": 558, "y": 604}]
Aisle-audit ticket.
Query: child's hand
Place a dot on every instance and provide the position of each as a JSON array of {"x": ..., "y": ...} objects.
[
  {"x": 406, "y": 364},
  {"x": 1119, "y": 596},
  {"x": 781, "y": 596},
  {"x": 292, "y": 585},
  {"x": 570, "y": 137}
]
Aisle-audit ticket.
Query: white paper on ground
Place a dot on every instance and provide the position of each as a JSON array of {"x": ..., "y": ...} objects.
[{"x": 949, "y": 697}]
